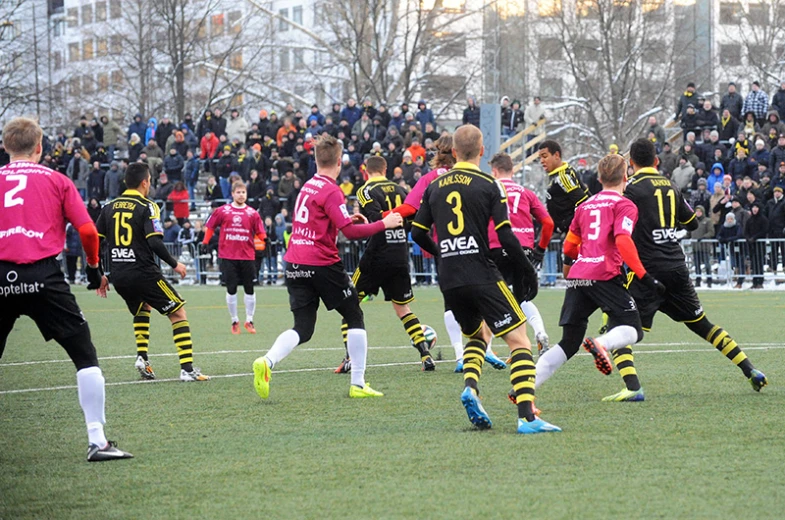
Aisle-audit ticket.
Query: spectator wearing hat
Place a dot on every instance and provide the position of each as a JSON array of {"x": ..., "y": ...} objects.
[
  {"x": 715, "y": 177},
  {"x": 701, "y": 196},
  {"x": 779, "y": 176},
  {"x": 732, "y": 102},
  {"x": 682, "y": 175},
  {"x": 707, "y": 116},
  {"x": 741, "y": 166},
  {"x": 773, "y": 122},
  {"x": 777, "y": 153},
  {"x": 471, "y": 114},
  {"x": 700, "y": 173},
  {"x": 513, "y": 117},
  {"x": 756, "y": 102},
  {"x": 755, "y": 230},
  {"x": 237, "y": 127},
  {"x": 668, "y": 159},
  {"x": 729, "y": 126},
  {"x": 760, "y": 155},
  {"x": 702, "y": 253},
  {"x": 775, "y": 212},
  {"x": 225, "y": 166},
  {"x": 688, "y": 150},
  {"x": 687, "y": 98},
  {"x": 424, "y": 114},
  {"x": 689, "y": 120},
  {"x": 315, "y": 113}
]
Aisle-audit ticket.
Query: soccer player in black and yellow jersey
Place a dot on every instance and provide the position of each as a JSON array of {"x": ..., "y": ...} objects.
[
  {"x": 663, "y": 211},
  {"x": 461, "y": 203},
  {"x": 385, "y": 262},
  {"x": 131, "y": 231}
]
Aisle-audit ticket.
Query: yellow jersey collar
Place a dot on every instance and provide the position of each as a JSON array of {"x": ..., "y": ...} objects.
[
  {"x": 560, "y": 169},
  {"x": 462, "y": 165},
  {"x": 133, "y": 192}
]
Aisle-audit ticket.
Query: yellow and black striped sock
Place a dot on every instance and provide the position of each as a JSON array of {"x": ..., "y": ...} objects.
[
  {"x": 142, "y": 333},
  {"x": 522, "y": 374},
  {"x": 623, "y": 359},
  {"x": 722, "y": 341},
  {"x": 414, "y": 329},
  {"x": 181, "y": 332},
  {"x": 473, "y": 359},
  {"x": 344, "y": 334}
]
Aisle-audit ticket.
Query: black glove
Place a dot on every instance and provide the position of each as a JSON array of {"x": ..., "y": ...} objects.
[
  {"x": 653, "y": 284},
  {"x": 538, "y": 254},
  {"x": 566, "y": 260},
  {"x": 203, "y": 249},
  {"x": 94, "y": 275},
  {"x": 530, "y": 286}
]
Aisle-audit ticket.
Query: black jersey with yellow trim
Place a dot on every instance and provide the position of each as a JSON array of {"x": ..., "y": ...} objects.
[
  {"x": 461, "y": 203},
  {"x": 662, "y": 211},
  {"x": 376, "y": 196},
  {"x": 565, "y": 192},
  {"x": 124, "y": 226}
]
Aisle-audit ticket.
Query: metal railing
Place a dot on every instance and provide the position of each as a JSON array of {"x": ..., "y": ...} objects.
[{"x": 516, "y": 147}]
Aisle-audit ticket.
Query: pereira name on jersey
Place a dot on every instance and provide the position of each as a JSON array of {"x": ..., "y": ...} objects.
[
  {"x": 29, "y": 236},
  {"x": 238, "y": 226},
  {"x": 597, "y": 222},
  {"x": 320, "y": 212}
]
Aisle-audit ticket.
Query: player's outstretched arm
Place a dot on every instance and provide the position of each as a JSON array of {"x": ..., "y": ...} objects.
[
  {"x": 513, "y": 248},
  {"x": 423, "y": 239},
  {"x": 629, "y": 254},
  {"x": 159, "y": 248}
]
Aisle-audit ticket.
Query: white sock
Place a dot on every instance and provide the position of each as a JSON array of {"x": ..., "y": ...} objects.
[
  {"x": 357, "y": 345},
  {"x": 454, "y": 331},
  {"x": 231, "y": 302},
  {"x": 533, "y": 317},
  {"x": 90, "y": 383},
  {"x": 250, "y": 306},
  {"x": 619, "y": 337},
  {"x": 283, "y": 346},
  {"x": 548, "y": 364}
]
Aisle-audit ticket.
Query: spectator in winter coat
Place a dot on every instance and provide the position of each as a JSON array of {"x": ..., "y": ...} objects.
[
  {"x": 755, "y": 229},
  {"x": 189, "y": 137},
  {"x": 688, "y": 151},
  {"x": 384, "y": 115},
  {"x": 715, "y": 176},
  {"x": 682, "y": 175},
  {"x": 668, "y": 160},
  {"x": 732, "y": 102},
  {"x": 177, "y": 141},
  {"x": 95, "y": 182},
  {"x": 416, "y": 150},
  {"x": 760, "y": 155},
  {"x": 688, "y": 98},
  {"x": 112, "y": 134},
  {"x": 717, "y": 195},
  {"x": 351, "y": 112},
  {"x": 729, "y": 126},
  {"x": 137, "y": 127},
  {"x": 173, "y": 165},
  {"x": 191, "y": 175},
  {"x": 707, "y": 117},
  {"x": 777, "y": 154},
  {"x": 659, "y": 132},
  {"x": 773, "y": 122},
  {"x": 700, "y": 173},
  {"x": 165, "y": 129},
  {"x": 778, "y": 101},
  {"x": 689, "y": 120},
  {"x": 94, "y": 209},
  {"x": 149, "y": 132},
  {"x": 218, "y": 123},
  {"x": 701, "y": 196},
  {"x": 179, "y": 200},
  {"x": 397, "y": 120},
  {"x": 205, "y": 124},
  {"x": 212, "y": 191},
  {"x": 78, "y": 171},
  {"x": 741, "y": 166},
  {"x": 237, "y": 126},
  {"x": 209, "y": 146},
  {"x": 269, "y": 206},
  {"x": 360, "y": 126},
  {"x": 471, "y": 114},
  {"x": 424, "y": 114},
  {"x": 171, "y": 231},
  {"x": 286, "y": 184},
  {"x": 702, "y": 253},
  {"x": 113, "y": 181},
  {"x": 756, "y": 102}
]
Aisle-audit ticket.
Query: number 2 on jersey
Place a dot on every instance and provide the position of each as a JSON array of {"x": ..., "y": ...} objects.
[
  {"x": 454, "y": 200},
  {"x": 661, "y": 205},
  {"x": 10, "y": 199},
  {"x": 121, "y": 224}
]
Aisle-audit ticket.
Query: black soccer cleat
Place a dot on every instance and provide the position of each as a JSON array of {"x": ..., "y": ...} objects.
[
  {"x": 345, "y": 367},
  {"x": 428, "y": 364},
  {"x": 108, "y": 452}
]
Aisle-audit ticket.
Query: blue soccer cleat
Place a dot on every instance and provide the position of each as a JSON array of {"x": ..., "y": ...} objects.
[
  {"x": 758, "y": 379},
  {"x": 536, "y": 426},
  {"x": 477, "y": 414},
  {"x": 494, "y": 360},
  {"x": 459, "y": 366}
]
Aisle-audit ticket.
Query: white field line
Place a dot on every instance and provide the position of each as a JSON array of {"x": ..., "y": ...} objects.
[{"x": 748, "y": 346}]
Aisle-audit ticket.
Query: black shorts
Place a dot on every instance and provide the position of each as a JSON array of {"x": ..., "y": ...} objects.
[
  {"x": 238, "y": 272},
  {"x": 492, "y": 303},
  {"x": 38, "y": 290},
  {"x": 583, "y": 297},
  {"x": 309, "y": 283},
  {"x": 155, "y": 291},
  {"x": 680, "y": 302},
  {"x": 508, "y": 269},
  {"x": 370, "y": 276}
]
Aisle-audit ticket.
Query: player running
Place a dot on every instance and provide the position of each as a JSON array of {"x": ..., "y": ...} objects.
[
  {"x": 131, "y": 230},
  {"x": 461, "y": 203},
  {"x": 37, "y": 204},
  {"x": 565, "y": 189},
  {"x": 599, "y": 240},
  {"x": 663, "y": 211},
  {"x": 314, "y": 270},
  {"x": 240, "y": 224},
  {"x": 385, "y": 262},
  {"x": 523, "y": 207},
  {"x": 441, "y": 164}
]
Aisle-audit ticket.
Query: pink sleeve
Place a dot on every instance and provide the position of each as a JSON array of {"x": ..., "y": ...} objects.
[
  {"x": 358, "y": 231},
  {"x": 335, "y": 208},
  {"x": 214, "y": 220},
  {"x": 73, "y": 206},
  {"x": 537, "y": 208},
  {"x": 626, "y": 215},
  {"x": 414, "y": 198}
]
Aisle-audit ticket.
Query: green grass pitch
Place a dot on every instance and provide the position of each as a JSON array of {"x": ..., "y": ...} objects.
[{"x": 703, "y": 445}]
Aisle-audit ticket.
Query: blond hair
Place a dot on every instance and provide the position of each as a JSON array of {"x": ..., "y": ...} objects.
[
  {"x": 611, "y": 169},
  {"x": 21, "y": 136}
]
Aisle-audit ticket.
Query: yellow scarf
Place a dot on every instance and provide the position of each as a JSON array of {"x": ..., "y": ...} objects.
[{"x": 725, "y": 121}]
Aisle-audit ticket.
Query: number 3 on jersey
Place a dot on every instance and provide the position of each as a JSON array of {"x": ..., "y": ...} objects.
[
  {"x": 454, "y": 200},
  {"x": 594, "y": 225}
]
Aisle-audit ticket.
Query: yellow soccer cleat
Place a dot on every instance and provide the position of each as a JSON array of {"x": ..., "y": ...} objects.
[
  {"x": 261, "y": 377},
  {"x": 626, "y": 396},
  {"x": 366, "y": 391}
]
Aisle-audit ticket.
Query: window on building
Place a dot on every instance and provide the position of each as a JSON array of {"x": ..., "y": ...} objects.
[
  {"x": 73, "y": 17},
  {"x": 451, "y": 45},
  {"x": 759, "y": 14},
  {"x": 75, "y": 87},
  {"x": 284, "y": 58},
  {"x": 235, "y": 26},
  {"x": 58, "y": 28},
  {"x": 654, "y": 10},
  {"x": 87, "y": 49},
  {"x": 435, "y": 85},
  {"x": 58, "y": 60},
  {"x": 283, "y": 15},
  {"x": 87, "y": 14},
  {"x": 101, "y": 48},
  {"x": 73, "y": 52},
  {"x": 551, "y": 87},
  {"x": 116, "y": 44},
  {"x": 730, "y": 13},
  {"x": 587, "y": 8},
  {"x": 236, "y": 61},
  {"x": 298, "y": 57},
  {"x": 587, "y": 50},
  {"x": 217, "y": 25},
  {"x": 297, "y": 14},
  {"x": 550, "y": 49},
  {"x": 117, "y": 79},
  {"x": 549, "y": 8},
  {"x": 100, "y": 12},
  {"x": 730, "y": 55},
  {"x": 103, "y": 82},
  {"x": 88, "y": 85},
  {"x": 759, "y": 54},
  {"x": 201, "y": 30},
  {"x": 237, "y": 100},
  {"x": 115, "y": 9}
]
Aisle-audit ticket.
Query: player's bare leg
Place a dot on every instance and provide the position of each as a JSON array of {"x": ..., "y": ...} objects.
[{"x": 181, "y": 333}]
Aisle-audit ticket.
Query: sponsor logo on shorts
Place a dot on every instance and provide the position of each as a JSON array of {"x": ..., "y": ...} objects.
[
  {"x": 296, "y": 272},
  {"x": 169, "y": 306},
  {"x": 408, "y": 294},
  {"x": 19, "y": 230},
  {"x": 699, "y": 311},
  {"x": 579, "y": 283},
  {"x": 18, "y": 288},
  {"x": 506, "y": 321}
]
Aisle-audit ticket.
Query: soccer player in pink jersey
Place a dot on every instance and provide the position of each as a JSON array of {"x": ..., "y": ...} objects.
[
  {"x": 442, "y": 162},
  {"x": 314, "y": 270},
  {"x": 599, "y": 241},
  {"x": 523, "y": 207},
  {"x": 239, "y": 224},
  {"x": 37, "y": 204}
]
